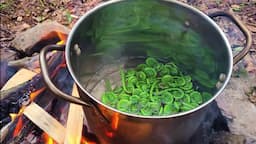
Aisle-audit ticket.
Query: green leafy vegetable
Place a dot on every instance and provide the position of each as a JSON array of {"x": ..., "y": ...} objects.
[
  {"x": 196, "y": 97},
  {"x": 150, "y": 72},
  {"x": 123, "y": 105},
  {"x": 147, "y": 90},
  {"x": 151, "y": 62},
  {"x": 169, "y": 109}
]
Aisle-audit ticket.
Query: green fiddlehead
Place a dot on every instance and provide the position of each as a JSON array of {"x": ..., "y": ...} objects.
[{"x": 154, "y": 88}]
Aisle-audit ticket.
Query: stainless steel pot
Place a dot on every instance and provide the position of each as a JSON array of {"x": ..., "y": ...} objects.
[{"x": 90, "y": 67}]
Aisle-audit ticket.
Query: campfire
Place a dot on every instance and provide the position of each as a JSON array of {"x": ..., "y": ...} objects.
[{"x": 32, "y": 114}]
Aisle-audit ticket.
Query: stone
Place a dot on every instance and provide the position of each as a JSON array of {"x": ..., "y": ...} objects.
[
  {"x": 19, "y": 18},
  {"x": 25, "y": 41},
  {"x": 237, "y": 108},
  {"x": 223, "y": 137}
]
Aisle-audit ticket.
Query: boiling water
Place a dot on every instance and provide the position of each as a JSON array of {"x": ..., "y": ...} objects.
[{"x": 124, "y": 34}]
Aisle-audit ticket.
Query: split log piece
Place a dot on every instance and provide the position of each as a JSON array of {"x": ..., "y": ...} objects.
[
  {"x": 46, "y": 122},
  {"x": 23, "y": 75},
  {"x": 75, "y": 121}
]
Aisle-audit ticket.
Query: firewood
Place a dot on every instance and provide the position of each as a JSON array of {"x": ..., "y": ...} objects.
[
  {"x": 18, "y": 80},
  {"x": 75, "y": 121},
  {"x": 23, "y": 133},
  {"x": 46, "y": 122},
  {"x": 20, "y": 77}
]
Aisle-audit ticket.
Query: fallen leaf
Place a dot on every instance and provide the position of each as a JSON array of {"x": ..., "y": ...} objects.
[
  {"x": 251, "y": 27},
  {"x": 236, "y": 8},
  {"x": 250, "y": 65},
  {"x": 19, "y": 18}
]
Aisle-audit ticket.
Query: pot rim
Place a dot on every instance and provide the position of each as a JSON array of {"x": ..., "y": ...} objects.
[{"x": 204, "y": 16}]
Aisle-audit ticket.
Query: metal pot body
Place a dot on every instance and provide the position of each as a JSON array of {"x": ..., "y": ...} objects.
[
  {"x": 91, "y": 67},
  {"x": 125, "y": 129},
  {"x": 191, "y": 40}
]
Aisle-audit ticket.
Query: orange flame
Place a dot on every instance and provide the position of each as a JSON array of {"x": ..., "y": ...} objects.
[
  {"x": 18, "y": 127},
  {"x": 62, "y": 37},
  {"x": 86, "y": 141},
  {"x": 54, "y": 34},
  {"x": 73, "y": 139},
  {"x": 36, "y": 93},
  {"x": 32, "y": 97},
  {"x": 47, "y": 139},
  {"x": 13, "y": 116}
]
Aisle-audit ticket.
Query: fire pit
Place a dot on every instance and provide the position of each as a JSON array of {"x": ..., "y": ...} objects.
[
  {"x": 19, "y": 124},
  {"x": 32, "y": 114},
  {"x": 106, "y": 39}
]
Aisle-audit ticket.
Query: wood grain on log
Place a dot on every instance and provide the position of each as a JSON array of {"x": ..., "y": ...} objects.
[
  {"x": 75, "y": 121},
  {"x": 45, "y": 121}
]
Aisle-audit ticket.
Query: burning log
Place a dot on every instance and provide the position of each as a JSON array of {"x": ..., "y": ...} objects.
[
  {"x": 13, "y": 100},
  {"x": 54, "y": 61},
  {"x": 46, "y": 100},
  {"x": 30, "y": 63},
  {"x": 20, "y": 77},
  {"x": 46, "y": 122},
  {"x": 44, "y": 114},
  {"x": 12, "y": 106}
]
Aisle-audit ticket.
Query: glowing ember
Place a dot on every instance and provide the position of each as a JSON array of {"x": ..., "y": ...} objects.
[
  {"x": 47, "y": 139},
  {"x": 18, "y": 127},
  {"x": 110, "y": 134}
]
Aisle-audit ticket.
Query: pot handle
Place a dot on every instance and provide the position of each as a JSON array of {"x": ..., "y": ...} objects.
[
  {"x": 242, "y": 27},
  {"x": 47, "y": 79}
]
